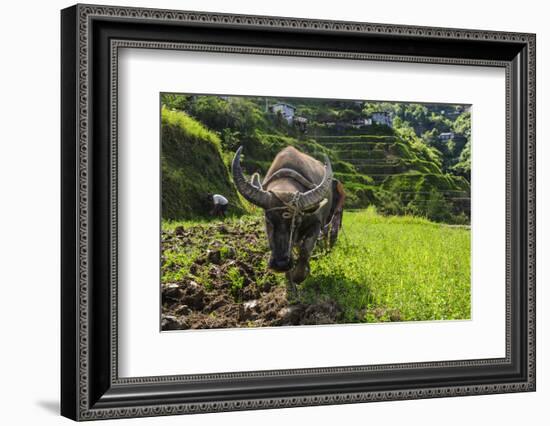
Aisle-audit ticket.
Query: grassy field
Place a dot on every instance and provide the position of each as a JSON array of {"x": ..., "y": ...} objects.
[{"x": 396, "y": 268}]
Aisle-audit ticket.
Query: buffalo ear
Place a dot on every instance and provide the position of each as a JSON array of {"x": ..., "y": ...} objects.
[
  {"x": 321, "y": 205},
  {"x": 256, "y": 181}
]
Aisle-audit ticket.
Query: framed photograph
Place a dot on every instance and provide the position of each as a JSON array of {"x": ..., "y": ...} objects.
[{"x": 263, "y": 212}]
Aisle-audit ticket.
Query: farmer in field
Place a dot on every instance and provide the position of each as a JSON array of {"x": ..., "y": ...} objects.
[{"x": 220, "y": 205}]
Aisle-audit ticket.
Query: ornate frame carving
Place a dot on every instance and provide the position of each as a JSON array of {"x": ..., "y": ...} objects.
[{"x": 110, "y": 396}]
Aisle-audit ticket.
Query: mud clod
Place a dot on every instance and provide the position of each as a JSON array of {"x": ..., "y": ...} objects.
[
  {"x": 214, "y": 256},
  {"x": 228, "y": 284},
  {"x": 170, "y": 322}
]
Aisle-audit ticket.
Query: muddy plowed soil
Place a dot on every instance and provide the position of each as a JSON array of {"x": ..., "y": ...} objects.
[{"x": 225, "y": 281}]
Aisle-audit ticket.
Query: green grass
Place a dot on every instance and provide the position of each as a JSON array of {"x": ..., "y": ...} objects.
[
  {"x": 171, "y": 225},
  {"x": 192, "y": 166},
  {"x": 189, "y": 127},
  {"x": 398, "y": 268},
  {"x": 383, "y": 268}
]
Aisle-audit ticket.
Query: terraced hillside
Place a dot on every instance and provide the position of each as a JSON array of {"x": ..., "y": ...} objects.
[
  {"x": 389, "y": 167},
  {"x": 396, "y": 174}
]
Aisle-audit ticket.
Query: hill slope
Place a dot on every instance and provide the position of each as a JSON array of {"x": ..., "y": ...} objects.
[
  {"x": 192, "y": 166},
  {"x": 406, "y": 176},
  {"x": 392, "y": 168}
]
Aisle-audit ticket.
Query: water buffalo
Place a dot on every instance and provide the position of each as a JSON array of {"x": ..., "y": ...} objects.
[{"x": 299, "y": 197}]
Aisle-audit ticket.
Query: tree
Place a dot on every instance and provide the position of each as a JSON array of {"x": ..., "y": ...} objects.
[
  {"x": 172, "y": 101},
  {"x": 349, "y": 115},
  {"x": 238, "y": 114},
  {"x": 231, "y": 140},
  {"x": 437, "y": 208},
  {"x": 463, "y": 125},
  {"x": 464, "y": 165}
]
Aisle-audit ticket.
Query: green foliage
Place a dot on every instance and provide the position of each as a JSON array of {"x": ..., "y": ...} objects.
[
  {"x": 349, "y": 115},
  {"x": 392, "y": 261},
  {"x": 394, "y": 269},
  {"x": 175, "y": 263},
  {"x": 236, "y": 280},
  {"x": 173, "y": 101},
  {"x": 436, "y": 208},
  {"x": 464, "y": 165},
  {"x": 428, "y": 122},
  {"x": 440, "y": 123},
  {"x": 383, "y": 268},
  {"x": 188, "y": 127},
  {"x": 431, "y": 139},
  {"x": 439, "y": 197},
  {"x": 192, "y": 166},
  {"x": 374, "y": 163},
  {"x": 403, "y": 172},
  {"x": 463, "y": 125},
  {"x": 218, "y": 113}
]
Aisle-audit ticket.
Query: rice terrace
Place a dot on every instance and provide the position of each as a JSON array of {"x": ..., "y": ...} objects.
[{"x": 291, "y": 211}]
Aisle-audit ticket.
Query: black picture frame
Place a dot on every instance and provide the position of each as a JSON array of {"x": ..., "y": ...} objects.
[{"x": 90, "y": 386}]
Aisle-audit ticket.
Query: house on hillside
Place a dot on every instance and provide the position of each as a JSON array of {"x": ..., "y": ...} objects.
[
  {"x": 361, "y": 122},
  {"x": 300, "y": 123},
  {"x": 446, "y": 136},
  {"x": 286, "y": 110},
  {"x": 382, "y": 118}
]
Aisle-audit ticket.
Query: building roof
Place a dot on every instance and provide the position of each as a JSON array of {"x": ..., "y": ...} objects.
[{"x": 285, "y": 104}]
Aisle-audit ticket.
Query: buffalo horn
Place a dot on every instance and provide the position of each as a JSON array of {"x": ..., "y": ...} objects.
[
  {"x": 251, "y": 193},
  {"x": 314, "y": 196}
]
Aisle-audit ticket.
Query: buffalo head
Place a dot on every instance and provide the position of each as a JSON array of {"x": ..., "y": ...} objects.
[{"x": 290, "y": 201}]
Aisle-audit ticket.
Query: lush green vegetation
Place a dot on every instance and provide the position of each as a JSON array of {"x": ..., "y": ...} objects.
[
  {"x": 408, "y": 168},
  {"x": 403, "y": 254},
  {"x": 384, "y": 268},
  {"x": 192, "y": 166},
  {"x": 395, "y": 268}
]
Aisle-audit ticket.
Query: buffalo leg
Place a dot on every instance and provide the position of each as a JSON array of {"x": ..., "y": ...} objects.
[
  {"x": 335, "y": 227},
  {"x": 291, "y": 284},
  {"x": 301, "y": 270}
]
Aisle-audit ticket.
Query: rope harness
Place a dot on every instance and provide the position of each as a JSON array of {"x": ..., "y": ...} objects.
[
  {"x": 291, "y": 208},
  {"x": 291, "y": 212}
]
